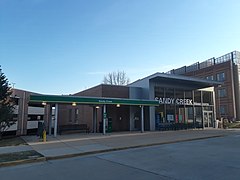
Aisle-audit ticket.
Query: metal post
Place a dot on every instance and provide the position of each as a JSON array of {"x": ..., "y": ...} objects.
[
  {"x": 50, "y": 120},
  {"x": 201, "y": 96},
  {"x": 94, "y": 119},
  {"x": 142, "y": 119},
  {"x": 184, "y": 107},
  {"x": 214, "y": 105},
  {"x": 56, "y": 120},
  {"x": 194, "y": 110},
  {"x": 104, "y": 119}
]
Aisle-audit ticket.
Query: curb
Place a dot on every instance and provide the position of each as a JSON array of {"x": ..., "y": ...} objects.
[
  {"x": 22, "y": 161},
  {"x": 126, "y": 147}
]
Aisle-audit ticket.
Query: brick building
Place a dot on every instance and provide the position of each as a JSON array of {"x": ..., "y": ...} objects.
[{"x": 225, "y": 69}]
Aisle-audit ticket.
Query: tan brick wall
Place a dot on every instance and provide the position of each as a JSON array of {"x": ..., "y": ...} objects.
[
  {"x": 214, "y": 70},
  {"x": 120, "y": 116}
]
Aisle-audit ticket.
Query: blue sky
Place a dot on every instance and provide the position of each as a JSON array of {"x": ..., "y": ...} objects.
[{"x": 62, "y": 47}]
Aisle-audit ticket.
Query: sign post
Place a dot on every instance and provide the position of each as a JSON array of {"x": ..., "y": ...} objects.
[
  {"x": 104, "y": 119},
  {"x": 142, "y": 119}
]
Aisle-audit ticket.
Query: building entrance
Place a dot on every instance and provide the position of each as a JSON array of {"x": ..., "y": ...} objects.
[{"x": 208, "y": 119}]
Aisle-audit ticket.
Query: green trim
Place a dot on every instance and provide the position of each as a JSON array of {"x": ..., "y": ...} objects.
[{"x": 90, "y": 100}]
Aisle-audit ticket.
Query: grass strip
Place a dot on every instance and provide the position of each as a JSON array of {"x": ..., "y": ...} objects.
[
  {"x": 8, "y": 157},
  {"x": 15, "y": 141}
]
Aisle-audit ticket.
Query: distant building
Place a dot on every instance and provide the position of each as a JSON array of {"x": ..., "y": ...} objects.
[
  {"x": 26, "y": 115},
  {"x": 224, "y": 69}
]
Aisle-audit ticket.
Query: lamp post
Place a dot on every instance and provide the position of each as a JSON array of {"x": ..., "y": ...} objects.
[{"x": 219, "y": 108}]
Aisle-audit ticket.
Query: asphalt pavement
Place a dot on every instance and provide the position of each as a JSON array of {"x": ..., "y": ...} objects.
[
  {"x": 72, "y": 145},
  {"x": 206, "y": 158},
  {"x": 82, "y": 144}
]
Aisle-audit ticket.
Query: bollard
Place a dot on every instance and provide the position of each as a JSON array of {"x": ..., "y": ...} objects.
[{"x": 44, "y": 135}]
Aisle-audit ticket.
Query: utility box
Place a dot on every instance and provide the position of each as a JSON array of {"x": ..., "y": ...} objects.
[
  {"x": 109, "y": 129},
  {"x": 40, "y": 129}
]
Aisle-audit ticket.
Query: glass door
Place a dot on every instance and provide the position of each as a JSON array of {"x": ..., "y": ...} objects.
[{"x": 208, "y": 119}]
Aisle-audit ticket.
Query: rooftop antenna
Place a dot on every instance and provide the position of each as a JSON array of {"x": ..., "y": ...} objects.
[{"x": 13, "y": 84}]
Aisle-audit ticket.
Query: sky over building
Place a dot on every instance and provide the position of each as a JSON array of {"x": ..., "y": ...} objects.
[{"x": 62, "y": 47}]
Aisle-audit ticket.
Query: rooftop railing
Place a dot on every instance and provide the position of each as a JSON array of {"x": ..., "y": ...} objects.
[{"x": 232, "y": 56}]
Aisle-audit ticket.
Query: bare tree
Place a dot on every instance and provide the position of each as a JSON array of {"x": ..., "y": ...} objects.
[{"x": 116, "y": 78}]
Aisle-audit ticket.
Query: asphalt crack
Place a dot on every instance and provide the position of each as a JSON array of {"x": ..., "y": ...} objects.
[{"x": 136, "y": 168}]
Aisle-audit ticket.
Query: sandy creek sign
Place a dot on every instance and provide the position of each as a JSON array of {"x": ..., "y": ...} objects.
[{"x": 177, "y": 101}]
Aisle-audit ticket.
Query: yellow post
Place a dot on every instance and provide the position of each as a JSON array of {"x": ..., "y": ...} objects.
[{"x": 44, "y": 135}]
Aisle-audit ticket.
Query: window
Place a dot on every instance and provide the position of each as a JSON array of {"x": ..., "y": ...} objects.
[
  {"x": 15, "y": 101},
  {"x": 197, "y": 96},
  {"x": 198, "y": 112},
  {"x": 221, "y": 76},
  {"x": 15, "y": 117},
  {"x": 210, "y": 77},
  {"x": 70, "y": 115},
  {"x": 169, "y": 93},
  {"x": 188, "y": 94},
  {"x": 207, "y": 97},
  {"x": 223, "y": 109},
  {"x": 222, "y": 92},
  {"x": 159, "y": 92},
  {"x": 76, "y": 115},
  {"x": 190, "y": 115}
]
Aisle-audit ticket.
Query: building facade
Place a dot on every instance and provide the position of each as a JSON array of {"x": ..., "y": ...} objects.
[
  {"x": 157, "y": 102},
  {"x": 84, "y": 114},
  {"x": 26, "y": 115},
  {"x": 225, "y": 69},
  {"x": 183, "y": 101}
]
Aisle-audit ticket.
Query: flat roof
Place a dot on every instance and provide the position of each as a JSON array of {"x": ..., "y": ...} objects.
[
  {"x": 180, "y": 81},
  {"x": 90, "y": 100}
]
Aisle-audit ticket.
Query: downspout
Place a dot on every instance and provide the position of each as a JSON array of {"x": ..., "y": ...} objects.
[{"x": 233, "y": 90}]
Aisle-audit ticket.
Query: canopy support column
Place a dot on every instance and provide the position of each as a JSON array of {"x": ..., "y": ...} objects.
[
  {"x": 94, "y": 119},
  {"x": 56, "y": 120},
  {"x": 104, "y": 119},
  {"x": 142, "y": 119}
]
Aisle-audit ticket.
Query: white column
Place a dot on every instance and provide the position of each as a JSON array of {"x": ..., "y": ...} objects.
[
  {"x": 131, "y": 121},
  {"x": 104, "y": 119},
  {"x": 56, "y": 120},
  {"x": 50, "y": 120},
  {"x": 214, "y": 107},
  {"x": 152, "y": 117},
  {"x": 142, "y": 119}
]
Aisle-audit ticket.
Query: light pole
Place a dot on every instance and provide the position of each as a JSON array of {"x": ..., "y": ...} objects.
[{"x": 219, "y": 107}]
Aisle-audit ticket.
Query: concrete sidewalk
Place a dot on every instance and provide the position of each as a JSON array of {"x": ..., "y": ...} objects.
[{"x": 81, "y": 144}]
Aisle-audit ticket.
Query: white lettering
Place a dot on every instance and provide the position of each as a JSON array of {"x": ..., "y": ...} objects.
[
  {"x": 177, "y": 101},
  {"x": 190, "y": 101}
]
